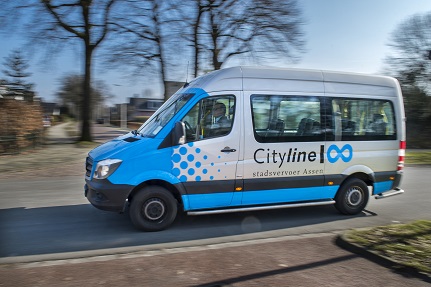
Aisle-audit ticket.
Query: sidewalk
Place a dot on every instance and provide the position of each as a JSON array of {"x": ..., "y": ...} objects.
[
  {"x": 306, "y": 260},
  {"x": 309, "y": 260},
  {"x": 58, "y": 134},
  {"x": 59, "y": 153}
]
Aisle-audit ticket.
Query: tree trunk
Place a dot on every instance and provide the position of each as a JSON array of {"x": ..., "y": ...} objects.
[
  {"x": 196, "y": 49},
  {"x": 86, "y": 96},
  {"x": 163, "y": 76},
  {"x": 215, "y": 37}
]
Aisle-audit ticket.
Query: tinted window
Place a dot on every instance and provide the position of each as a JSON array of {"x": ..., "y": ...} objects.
[
  {"x": 286, "y": 118},
  {"x": 362, "y": 119}
]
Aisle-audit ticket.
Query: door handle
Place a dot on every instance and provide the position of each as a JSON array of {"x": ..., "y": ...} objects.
[{"x": 228, "y": 149}]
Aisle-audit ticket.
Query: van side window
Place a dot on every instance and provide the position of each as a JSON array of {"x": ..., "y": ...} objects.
[
  {"x": 210, "y": 117},
  {"x": 286, "y": 118},
  {"x": 363, "y": 119}
]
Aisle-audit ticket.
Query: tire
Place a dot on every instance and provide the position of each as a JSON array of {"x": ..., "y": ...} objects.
[
  {"x": 352, "y": 197},
  {"x": 153, "y": 209}
]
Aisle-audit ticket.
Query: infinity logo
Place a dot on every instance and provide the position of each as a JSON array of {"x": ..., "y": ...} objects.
[{"x": 339, "y": 152}]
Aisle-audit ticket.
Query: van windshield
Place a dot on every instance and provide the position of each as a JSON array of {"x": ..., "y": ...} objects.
[{"x": 163, "y": 115}]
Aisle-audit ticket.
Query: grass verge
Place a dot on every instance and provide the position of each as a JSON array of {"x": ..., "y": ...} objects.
[
  {"x": 418, "y": 157},
  {"x": 88, "y": 145},
  {"x": 408, "y": 244}
]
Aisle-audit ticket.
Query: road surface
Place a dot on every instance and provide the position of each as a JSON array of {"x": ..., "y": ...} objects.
[{"x": 51, "y": 215}]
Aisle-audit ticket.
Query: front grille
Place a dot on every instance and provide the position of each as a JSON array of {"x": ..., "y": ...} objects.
[{"x": 88, "y": 166}]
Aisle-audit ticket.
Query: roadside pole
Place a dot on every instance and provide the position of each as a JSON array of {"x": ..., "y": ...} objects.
[{"x": 123, "y": 116}]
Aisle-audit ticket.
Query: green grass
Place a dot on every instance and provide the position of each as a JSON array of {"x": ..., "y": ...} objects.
[
  {"x": 88, "y": 145},
  {"x": 408, "y": 244},
  {"x": 418, "y": 157}
]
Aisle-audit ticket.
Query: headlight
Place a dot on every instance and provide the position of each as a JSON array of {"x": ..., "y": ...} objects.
[{"x": 106, "y": 167}]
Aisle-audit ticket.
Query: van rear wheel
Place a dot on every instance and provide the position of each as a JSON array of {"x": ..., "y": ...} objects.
[
  {"x": 153, "y": 209},
  {"x": 352, "y": 197}
]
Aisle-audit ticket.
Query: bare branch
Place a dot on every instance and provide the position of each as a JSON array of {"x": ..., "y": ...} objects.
[
  {"x": 106, "y": 22},
  {"x": 52, "y": 11}
]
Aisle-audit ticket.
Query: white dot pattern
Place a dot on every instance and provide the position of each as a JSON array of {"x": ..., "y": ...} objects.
[{"x": 191, "y": 164}]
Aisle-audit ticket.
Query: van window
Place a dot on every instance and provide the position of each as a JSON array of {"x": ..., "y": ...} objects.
[
  {"x": 163, "y": 115},
  {"x": 286, "y": 118},
  {"x": 363, "y": 119},
  {"x": 210, "y": 117}
]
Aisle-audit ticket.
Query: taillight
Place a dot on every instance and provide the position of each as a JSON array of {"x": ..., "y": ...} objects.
[{"x": 401, "y": 155}]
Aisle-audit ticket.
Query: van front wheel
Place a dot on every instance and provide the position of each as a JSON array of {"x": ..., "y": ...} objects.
[
  {"x": 352, "y": 197},
  {"x": 153, "y": 209}
]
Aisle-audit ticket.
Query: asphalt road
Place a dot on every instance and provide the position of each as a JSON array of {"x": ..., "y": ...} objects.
[{"x": 51, "y": 215}]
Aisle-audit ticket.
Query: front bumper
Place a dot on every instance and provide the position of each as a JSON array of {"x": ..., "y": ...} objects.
[{"x": 107, "y": 196}]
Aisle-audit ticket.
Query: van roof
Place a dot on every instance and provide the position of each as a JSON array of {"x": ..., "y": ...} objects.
[{"x": 303, "y": 80}]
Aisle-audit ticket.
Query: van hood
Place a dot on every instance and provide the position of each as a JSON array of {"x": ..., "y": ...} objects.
[{"x": 122, "y": 147}]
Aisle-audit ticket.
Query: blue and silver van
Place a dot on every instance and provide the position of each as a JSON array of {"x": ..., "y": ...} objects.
[{"x": 246, "y": 138}]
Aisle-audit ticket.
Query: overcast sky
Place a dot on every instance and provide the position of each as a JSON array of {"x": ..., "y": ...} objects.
[{"x": 342, "y": 35}]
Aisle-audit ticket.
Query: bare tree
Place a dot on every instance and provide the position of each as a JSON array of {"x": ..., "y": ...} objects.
[
  {"x": 155, "y": 35},
  {"x": 55, "y": 24},
  {"x": 223, "y": 29},
  {"x": 200, "y": 9},
  {"x": 411, "y": 44},
  {"x": 71, "y": 87},
  {"x": 146, "y": 38},
  {"x": 410, "y": 63}
]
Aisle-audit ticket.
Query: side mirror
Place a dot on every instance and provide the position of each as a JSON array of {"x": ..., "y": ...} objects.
[
  {"x": 179, "y": 133},
  {"x": 177, "y": 136}
]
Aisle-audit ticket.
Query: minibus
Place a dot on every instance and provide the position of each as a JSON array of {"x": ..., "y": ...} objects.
[{"x": 256, "y": 138}]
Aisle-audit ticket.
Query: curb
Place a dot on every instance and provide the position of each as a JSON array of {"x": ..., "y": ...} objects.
[
  {"x": 407, "y": 271},
  {"x": 149, "y": 250}
]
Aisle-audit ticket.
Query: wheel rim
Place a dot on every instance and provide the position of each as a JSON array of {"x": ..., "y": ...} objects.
[
  {"x": 354, "y": 196},
  {"x": 153, "y": 209}
]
